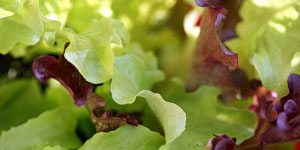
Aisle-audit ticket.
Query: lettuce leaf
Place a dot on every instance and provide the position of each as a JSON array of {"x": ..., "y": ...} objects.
[
  {"x": 211, "y": 59},
  {"x": 55, "y": 127},
  {"x": 206, "y": 116},
  {"x": 20, "y": 100},
  {"x": 133, "y": 74},
  {"x": 269, "y": 39},
  {"x": 56, "y": 10},
  {"x": 125, "y": 138},
  {"x": 92, "y": 48},
  {"x": 57, "y": 147},
  {"x": 132, "y": 78},
  {"x": 22, "y": 25}
]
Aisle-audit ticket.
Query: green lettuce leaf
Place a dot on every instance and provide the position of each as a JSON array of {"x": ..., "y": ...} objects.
[
  {"x": 92, "y": 48},
  {"x": 269, "y": 35},
  {"x": 206, "y": 116},
  {"x": 150, "y": 19},
  {"x": 133, "y": 74},
  {"x": 55, "y": 127},
  {"x": 59, "y": 96},
  {"x": 20, "y": 100},
  {"x": 125, "y": 138},
  {"x": 22, "y": 24},
  {"x": 57, "y": 147},
  {"x": 83, "y": 14},
  {"x": 55, "y": 10},
  {"x": 132, "y": 77}
]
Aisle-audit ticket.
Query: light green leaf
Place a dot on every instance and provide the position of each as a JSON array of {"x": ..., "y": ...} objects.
[
  {"x": 51, "y": 27},
  {"x": 128, "y": 78},
  {"x": 169, "y": 114},
  {"x": 125, "y": 138},
  {"x": 133, "y": 76},
  {"x": 55, "y": 127},
  {"x": 57, "y": 147},
  {"x": 104, "y": 91},
  {"x": 206, "y": 116},
  {"x": 268, "y": 35},
  {"x": 5, "y": 13},
  {"x": 20, "y": 100},
  {"x": 83, "y": 14},
  {"x": 24, "y": 26},
  {"x": 55, "y": 10},
  {"x": 90, "y": 52}
]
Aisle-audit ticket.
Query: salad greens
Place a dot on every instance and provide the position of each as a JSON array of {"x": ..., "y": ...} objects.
[{"x": 149, "y": 75}]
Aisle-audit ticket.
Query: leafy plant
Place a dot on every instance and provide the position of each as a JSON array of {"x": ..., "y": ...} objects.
[{"x": 119, "y": 74}]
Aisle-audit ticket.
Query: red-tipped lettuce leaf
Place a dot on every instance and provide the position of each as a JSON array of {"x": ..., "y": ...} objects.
[
  {"x": 46, "y": 67},
  {"x": 223, "y": 143},
  {"x": 287, "y": 126},
  {"x": 232, "y": 18},
  {"x": 211, "y": 57}
]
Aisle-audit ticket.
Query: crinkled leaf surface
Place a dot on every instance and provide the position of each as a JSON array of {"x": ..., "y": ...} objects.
[
  {"x": 24, "y": 26},
  {"x": 125, "y": 138},
  {"x": 20, "y": 100},
  {"x": 55, "y": 127},
  {"x": 206, "y": 116},
  {"x": 270, "y": 39},
  {"x": 211, "y": 58},
  {"x": 90, "y": 52},
  {"x": 46, "y": 67},
  {"x": 232, "y": 18},
  {"x": 131, "y": 79}
]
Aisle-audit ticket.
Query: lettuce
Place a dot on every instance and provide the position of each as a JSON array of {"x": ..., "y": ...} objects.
[
  {"x": 54, "y": 127},
  {"x": 270, "y": 41},
  {"x": 118, "y": 58}
]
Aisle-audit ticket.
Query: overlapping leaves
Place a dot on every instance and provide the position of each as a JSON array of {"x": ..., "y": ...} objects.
[
  {"x": 206, "y": 116},
  {"x": 55, "y": 127},
  {"x": 211, "y": 58},
  {"x": 132, "y": 77},
  {"x": 21, "y": 23},
  {"x": 268, "y": 35}
]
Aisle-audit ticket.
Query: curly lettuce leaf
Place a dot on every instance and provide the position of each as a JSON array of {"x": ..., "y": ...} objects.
[
  {"x": 206, "y": 116},
  {"x": 55, "y": 127},
  {"x": 211, "y": 59},
  {"x": 169, "y": 114},
  {"x": 269, "y": 35},
  {"x": 133, "y": 74},
  {"x": 125, "y": 138},
  {"x": 23, "y": 25},
  {"x": 286, "y": 128},
  {"x": 132, "y": 78},
  {"x": 92, "y": 48},
  {"x": 46, "y": 67}
]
